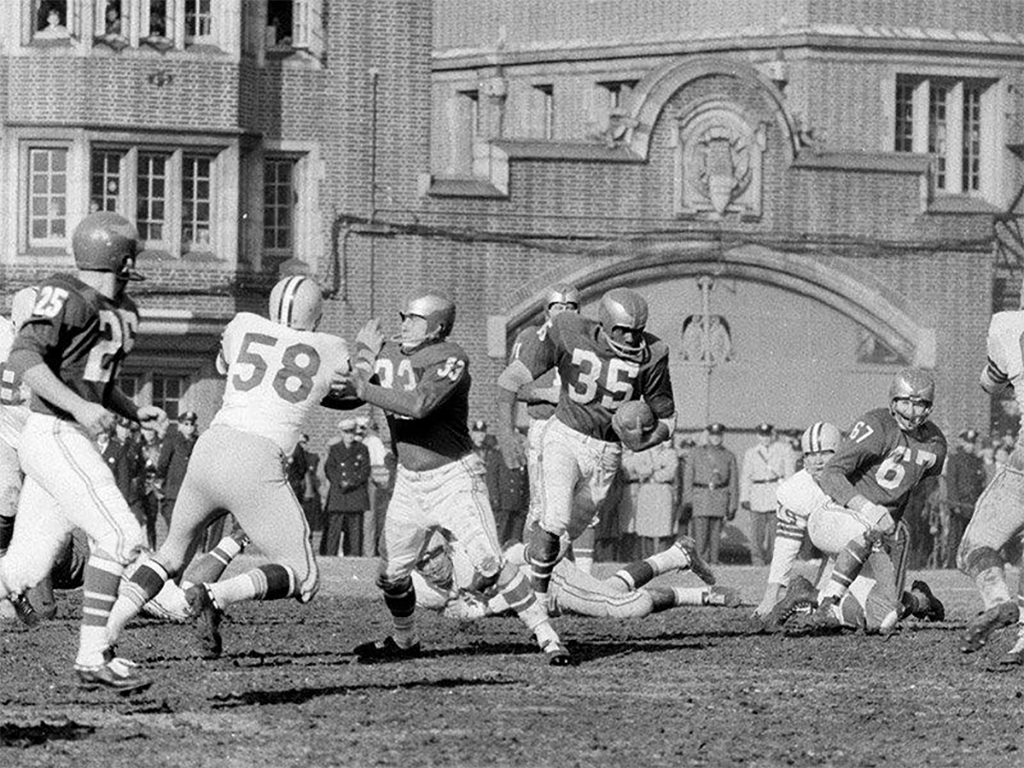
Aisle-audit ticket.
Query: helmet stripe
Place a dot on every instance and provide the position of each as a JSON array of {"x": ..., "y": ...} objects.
[
  {"x": 816, "y": 437},
  {"x": 286, "y": 305}
]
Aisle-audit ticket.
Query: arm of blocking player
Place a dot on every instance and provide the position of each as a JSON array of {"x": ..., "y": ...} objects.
[{"x": 511, "y": 449}]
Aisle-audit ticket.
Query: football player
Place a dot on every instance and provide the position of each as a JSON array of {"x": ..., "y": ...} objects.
[
  {"x": 68, "y": 352},
  {"x": 886, "y": 453},
  {"x": 999, "y": 512},
  {"x": 421, "y": 381},
  {"x": 14, "y": 400},
  {"x": 541, "y": 397},
  {"x": 602, "y": 364},
  {"x": 800, "y": 499},
  {"x": 278, "y": 370},
  {"x": 443, "y": 577}
]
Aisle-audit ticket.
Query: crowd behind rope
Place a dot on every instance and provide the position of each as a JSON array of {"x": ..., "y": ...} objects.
[{"x": 649, "y": 507}]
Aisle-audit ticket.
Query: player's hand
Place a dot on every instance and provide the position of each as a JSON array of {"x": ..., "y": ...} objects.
[
  {"x": 511, "y": 449},
  {"x": 153, "y": 416},
  {"x": 745, "y": 505},
  {"x": 369, "y": 341},
  {"x": 771, "y": 597},
  {"x": 94, "y": 418}
]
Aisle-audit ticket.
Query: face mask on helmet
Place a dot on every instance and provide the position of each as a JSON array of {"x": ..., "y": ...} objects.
[
  {"x": 561, "y": 298},
  {"x": 911, "y": 396},
  {"x": 297, "y": 302},
  {"x": 426, "y": 319},
  {"x": 623, "y": 317}
]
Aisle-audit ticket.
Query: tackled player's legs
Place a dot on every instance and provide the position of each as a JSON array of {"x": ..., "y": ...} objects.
[{"x": 998, "y": 515}]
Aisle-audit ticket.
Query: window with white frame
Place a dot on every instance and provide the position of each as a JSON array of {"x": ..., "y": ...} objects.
[
  {"x": 293, "y": 25},
  {"x": 160, "y": 24},
  {"x": 170, "y": 193},
  {"x": 279, "y": 199},
  {"x": 53, "y": 21},
  {"x": 167, "y": 391},
  {"x": 954, "y": 120},
  {"x": 199, "y": 21},
  {"x": 545, "y": 110},
  {"x": 47, "y": 196}
]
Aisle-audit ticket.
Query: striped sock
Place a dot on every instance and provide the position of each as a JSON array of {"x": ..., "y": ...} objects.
[{"x": 101, "y": 581}]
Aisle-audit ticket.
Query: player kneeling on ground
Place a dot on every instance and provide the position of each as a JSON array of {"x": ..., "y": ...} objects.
[{"x": 804, "y": 511}]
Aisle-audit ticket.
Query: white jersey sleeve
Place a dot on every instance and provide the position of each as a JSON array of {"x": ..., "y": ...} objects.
[
  {"x": 1005, "y": 334},
  {"x": 275, "y": 376},
  {"x": 14, "y": 395},
  {"x": 797, "y": 497}
]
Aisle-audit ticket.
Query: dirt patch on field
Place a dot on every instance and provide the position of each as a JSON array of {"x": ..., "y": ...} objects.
[{"x": 688, "y": 687}]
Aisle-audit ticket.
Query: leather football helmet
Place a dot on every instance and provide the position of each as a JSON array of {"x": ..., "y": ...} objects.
[
  {"x": 297, "y": 302},
  {"x": 439, "y": 313},
  {"x": 106, "y": 242},
  {"x": 623, "y": 308},
  {"x": 916, "y": 386},
  {"x": 562, "y": 293}
]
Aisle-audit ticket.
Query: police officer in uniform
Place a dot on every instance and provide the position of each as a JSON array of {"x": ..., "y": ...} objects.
[{"x": 711, "y": 490}]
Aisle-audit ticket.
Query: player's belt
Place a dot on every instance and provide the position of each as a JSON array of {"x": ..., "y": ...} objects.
[
  {"x": 769, "y": 480},
  {"x": 712, "y": 486}
]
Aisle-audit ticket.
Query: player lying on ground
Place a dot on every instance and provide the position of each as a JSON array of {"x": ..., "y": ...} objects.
[
  {"x": 169, "y": 604},
  {"x": 444, "y": 578},
  {"x": 805, "y": 512},
  {"x": 999, "y": 513}
]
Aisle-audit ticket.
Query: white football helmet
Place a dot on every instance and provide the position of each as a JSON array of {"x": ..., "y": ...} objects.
[
  {"x": 818, "y": 443},
  {"x": 297, "y": 302}
]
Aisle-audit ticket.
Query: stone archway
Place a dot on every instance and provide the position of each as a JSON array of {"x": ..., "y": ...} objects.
[{"x": 837, "y": 283}]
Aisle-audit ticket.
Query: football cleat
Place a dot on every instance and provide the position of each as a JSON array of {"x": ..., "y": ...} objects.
[
  {"x": 169, "y": 604},
  {"x": 984, "y": 624},
  {"x": 207, "y": 616},
  {"x": 558, "y": 655},
  {"x": 24, "y": 610},
  {"x": 697, "y": 564},
  {"x": 116, "y": 674},
  {"x": 800, "y": 593},
  {"x": 380, "y": 651},
  {"x": 1012, "y": 659},
  {"x": 935, "y": 610},
  {"x": 824, "y": 620}
]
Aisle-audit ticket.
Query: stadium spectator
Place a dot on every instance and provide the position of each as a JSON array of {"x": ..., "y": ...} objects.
[{"x": 346, "y": 476}]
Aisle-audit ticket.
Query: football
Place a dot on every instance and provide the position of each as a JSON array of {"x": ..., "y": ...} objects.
[{"x": 634, "y": 418}]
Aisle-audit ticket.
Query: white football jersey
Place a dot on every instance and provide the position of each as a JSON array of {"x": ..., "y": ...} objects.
[
  {"x": 275, "y": 376},
  {"x": 1004, "y": 349},
  {"x": 14, "y": 395},
  {"x": 799, "y": 495}
]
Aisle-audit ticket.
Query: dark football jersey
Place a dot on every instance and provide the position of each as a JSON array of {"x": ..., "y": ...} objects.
[
  {"x": 82, "y": 337},
  {"x": 524, "y": 347},
  {"x": 595, "y": 379},
  {"x": 440, "y": 374},
  {"x": 881, "y": 462}
]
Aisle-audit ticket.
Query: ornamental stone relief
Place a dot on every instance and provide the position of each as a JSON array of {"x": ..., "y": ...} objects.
[{"x": 719, "y": 164}]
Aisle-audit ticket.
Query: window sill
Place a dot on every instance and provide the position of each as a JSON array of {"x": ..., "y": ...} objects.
[
  {"x": 961, "y": 204},
  {"x": 52, "y": 42}
]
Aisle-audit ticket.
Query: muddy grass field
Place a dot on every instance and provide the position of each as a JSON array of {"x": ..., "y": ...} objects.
[{"x": 693, "y": 686}]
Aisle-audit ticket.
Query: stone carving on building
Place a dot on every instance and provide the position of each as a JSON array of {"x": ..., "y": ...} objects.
[
  {"x": 709, "y": 346},
  {"x": 719, "y": 163}
]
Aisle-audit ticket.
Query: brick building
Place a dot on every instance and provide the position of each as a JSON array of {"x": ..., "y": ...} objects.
[{"x": 805, "y": 190}]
